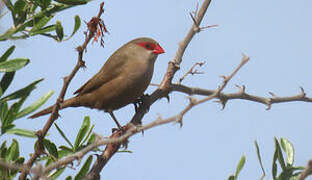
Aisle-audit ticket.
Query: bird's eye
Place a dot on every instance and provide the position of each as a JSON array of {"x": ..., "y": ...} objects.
[{"x": 147, "y": 46}]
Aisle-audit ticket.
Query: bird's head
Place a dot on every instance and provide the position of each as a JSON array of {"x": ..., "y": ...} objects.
[{"x": 150, "y": 45}]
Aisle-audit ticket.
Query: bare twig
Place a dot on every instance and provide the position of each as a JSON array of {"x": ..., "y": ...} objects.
[
  {"x": 241, "y": 94},
  {"x": 307, "y": 171},
  {"x": 193, "y": 102},
  {"x": 191, "y": 71},
  {"x": 92, "y": 28}
]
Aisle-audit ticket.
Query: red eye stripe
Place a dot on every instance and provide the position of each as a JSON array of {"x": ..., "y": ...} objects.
[
  {"x": 154, "y": 47},
  {"x": 147, "y": 45}
]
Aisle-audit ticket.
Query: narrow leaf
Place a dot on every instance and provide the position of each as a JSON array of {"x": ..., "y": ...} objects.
[
  {"x": 13, "y": 151},
  {"x": 19, "y": 6},
  {"x": 3, "y": 111},
  {"x": 59, "y": 30},
  {"x": 13, "y": 65},
  {"x": 6, "y": 81},
  {"x": 240, "y": 166},
  {"x": 22, "y": 92},
  {"x": 274, "y": 165},
  {"x": 89, "y": 133},
  {"x": 43, "y": 30},
  {"x": 35, "y": 105},
  {"x": 280, "y": 154},
  {"x": 42, "y": 22},
  {"x": 22, "y": 132},
  {"x": 85, "y": 168},
  {"x": 259, "y": 159},
  {"x": 82, "y": 132},
  {"x": 76, "y": 27},
  {"x": 63, "y": 135},
  {"x": 50, "y": 146},
  {"x": 73, "y": 2},
  {"x": 57, "y": 173},
  {"x": 67, "y": 149},
  {"x": 14, "y": 109},
  {"x": 289, "y": 149},
  {"x": 7, "y": 53}
]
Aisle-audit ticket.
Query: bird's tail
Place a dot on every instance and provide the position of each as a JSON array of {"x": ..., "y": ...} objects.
[{"x": 72, "y": 102}]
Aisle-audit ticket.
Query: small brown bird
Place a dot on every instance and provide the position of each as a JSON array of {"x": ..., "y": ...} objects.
[{"x": 122, "y": 79}]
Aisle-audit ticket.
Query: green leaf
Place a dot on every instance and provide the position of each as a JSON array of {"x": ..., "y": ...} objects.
[
  {"x": 63, "y": 153},
  {"x": 91, "y": 139},
  {"x": 14, "y": 109},
  {"x": 89, "y": 133},
  {"x": 259, "y": 159},
  {"x": 13, "y": 151},
  {"x": 289, "y": 149},
  {"x": 57, "y": 173},
  {"x": 13, "y": 65},
  {"x": 44, "y": 3},
  {"x": 63, "y": 135},
  {"x": 24, "y": 92},
  {"x": 6, "y": 81},
  {"x": 231, "y": 177},
  {"x": 76, "y": 27},
  {"x": 85, "y": 168},
  {"x": 19, "y": 7},
  {"x": 73, "y": 2},
  {"x": 7, "y": 53},
  {"x": 68, "y": 178},
  {"x": 82, "y": 132},
  {"x": 42, "y": 22},
  {"x": 279, "y": 154},
  {"x": 240, "y": 166},
  {"x": 35, "y": 105},
  {"x": 125, "y": 151},
  {"x": 59, "y": 30},
  {"x": 274, "y": 165},
  {"x": 3, "y": 149},
  {"x": 67, "y": 149},
  {"x": 43, "y": 30},
  {"x": 22, "y": 132},
  {"x": 50, "y": 146},
  {"x": 3, "y": 112}
]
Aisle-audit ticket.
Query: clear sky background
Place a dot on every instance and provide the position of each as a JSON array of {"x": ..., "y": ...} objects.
[{"x": 275, "y": 34}]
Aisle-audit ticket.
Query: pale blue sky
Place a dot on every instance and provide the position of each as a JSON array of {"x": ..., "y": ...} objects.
[{"x": 275, "y": 34}]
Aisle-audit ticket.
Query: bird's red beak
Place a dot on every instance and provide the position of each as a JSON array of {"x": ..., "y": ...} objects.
[{"x": 158, "y": 49}]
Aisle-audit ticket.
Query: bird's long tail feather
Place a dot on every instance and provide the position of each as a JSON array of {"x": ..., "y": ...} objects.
[{"x": 72, "y": 102}]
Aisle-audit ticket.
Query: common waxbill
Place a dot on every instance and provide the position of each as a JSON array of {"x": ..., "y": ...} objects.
[{"x": 123, "y": 78}]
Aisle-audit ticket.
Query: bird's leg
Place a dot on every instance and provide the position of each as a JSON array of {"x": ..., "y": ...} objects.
[{"x": 114, "y": 118}]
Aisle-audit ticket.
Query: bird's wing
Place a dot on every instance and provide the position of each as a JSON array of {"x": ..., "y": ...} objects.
[{"x": 111, "y": 69}]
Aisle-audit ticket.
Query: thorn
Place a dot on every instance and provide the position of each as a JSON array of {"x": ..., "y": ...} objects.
[
  {"x": 302, "y": 91},
  {"x": 268, "y": 104},
  {"x": 180, "y": 120},
  {"x": 272, "y": 94},
  {"x": 168, "y": 98},
  {"x": 209, "y": 26},
  {"x": 194, "y": 20}
]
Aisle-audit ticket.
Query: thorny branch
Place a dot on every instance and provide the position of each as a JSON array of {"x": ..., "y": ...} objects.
[
  {"x": 192, "y": 71},
  {"x": 241, "y": 94},
  {"x": 92, "y": 28}
]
